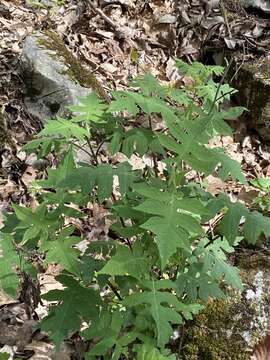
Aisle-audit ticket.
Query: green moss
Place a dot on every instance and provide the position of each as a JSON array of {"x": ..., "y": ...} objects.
[
  {"x": 254, "y": 261},
  {"x": 228, "y": 329},
  {"x": 253, "y": 81},
  {"x": 52, "y": 41},
  {"x": 260, "y": 69},
  {"x": 234, "y": 9},
  {"x": 215, "y": 334}
]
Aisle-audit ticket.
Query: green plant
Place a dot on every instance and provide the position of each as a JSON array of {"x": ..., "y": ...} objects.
[
  {"x": 158, "y": 264},
  {"x": 262, "y": 201}
]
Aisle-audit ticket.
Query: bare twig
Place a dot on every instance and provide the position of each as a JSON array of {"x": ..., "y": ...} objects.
[
  {"x": 120, "y": 33},
  {"x": 239, "y": 67},
  {"x": 224, "y": 13}
]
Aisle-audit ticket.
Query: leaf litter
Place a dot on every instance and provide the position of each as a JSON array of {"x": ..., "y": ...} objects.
[{"x": 118, "y": 40}]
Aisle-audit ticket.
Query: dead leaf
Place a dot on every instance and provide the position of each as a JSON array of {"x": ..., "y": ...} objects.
[
  {"x": 29, "y": 176},
  {"x": 166, "y": 19},
  {"x": 231, "y": 44},
  {"x": 262, "y": 350},
  {"x": 209, "y": 22},
  {"x": 214, "y": 185}
]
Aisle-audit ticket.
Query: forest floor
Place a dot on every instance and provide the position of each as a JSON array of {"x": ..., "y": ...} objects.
[{"x": 117, "y": 40}]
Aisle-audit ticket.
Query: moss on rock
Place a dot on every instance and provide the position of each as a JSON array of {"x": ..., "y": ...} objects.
[
  {"x": 52, "y": 41},
  {"x": 253, "y": 83},
  {"x": 216, "y": 334},
  {"x": 229, "y": 329}
]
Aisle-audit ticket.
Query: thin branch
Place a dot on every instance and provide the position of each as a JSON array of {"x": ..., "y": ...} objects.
[
  {"x": 118, "y": 30},
  {"x": 239, "y": 67},
  {"x": 224, "y": 13},
  {"x": 81, "y": 148},
  {"x": 105, "y": 17}
]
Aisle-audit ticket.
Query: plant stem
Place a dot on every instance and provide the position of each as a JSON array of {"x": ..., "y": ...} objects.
[
  {"x": 81, "y": 148},
  {"x": 114, "y": 290},
  {"x": 153, "y": 154},
  {"x": 181, "y": 341},
  {"x": 91, "y": 150},
  {"x": 123, "y": 224},
  {"x": 99, "y": 147},
  {"x": 127, "y": 239},
  {"x": 219, "y": 85}
]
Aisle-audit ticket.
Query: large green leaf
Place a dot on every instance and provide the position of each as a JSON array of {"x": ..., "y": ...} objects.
[
  {"x": 90, "y": 109},
  {"x": 123, "y": 101},
  {"x": 202, "y": 158},
  {"x": 175, "y": 221},
  {"x": 147, "y": 352},
  {"x": 77, "y": 303},
  {"x": 35, "y": 222},
  {"x": 135, "y": 141},
  {"x": 233, "y": 112},
  {"x": 207, "y": 268},
  {"x": 64, "y": 128},
  {"x": 56, "y": 176},
  {"x": 164, "y": 307},
  {"x": 9, "y": 261},
  {"x": 127, "y": 262},
  {"x": 255, "y": 223},
  {"x": 149, "y": 86},
  {"x": 61, "y": 250},
  {"x": 195, "y": 284},
  {"x": 107, "y": 327},
  {"x": 102, "y": 176}
]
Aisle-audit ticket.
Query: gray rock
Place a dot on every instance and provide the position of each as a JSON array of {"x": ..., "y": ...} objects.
[
  {"x": 48, "y": 89},
  {"x": 263, "y": 5},
  {"x": 253, "y": 83}
]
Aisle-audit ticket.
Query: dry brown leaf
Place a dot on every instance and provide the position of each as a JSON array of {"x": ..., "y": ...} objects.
[
  {"x": 262, "y": 350},
  {"x": 29, "y": 176},
  {"x": 247, "y": 196},
  {"x": 214, "y": 185},
  {"x": 7, "y": 189}
]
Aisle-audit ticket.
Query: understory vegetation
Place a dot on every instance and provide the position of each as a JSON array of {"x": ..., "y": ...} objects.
[{"x": 166, "y": 252}]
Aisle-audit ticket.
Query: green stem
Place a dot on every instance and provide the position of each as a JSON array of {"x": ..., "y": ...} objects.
[
  {"x": 114, "y": 290},
  {"x": 153, "y": 154}
]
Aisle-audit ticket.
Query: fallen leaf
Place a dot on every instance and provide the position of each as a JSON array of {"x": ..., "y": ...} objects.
[{"x": 262, "y": 350}]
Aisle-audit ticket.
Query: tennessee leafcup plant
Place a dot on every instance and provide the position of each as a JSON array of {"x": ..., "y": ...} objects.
[
  {"x": 262, "y": 200},
  {"x": 159, "y": 263}
]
